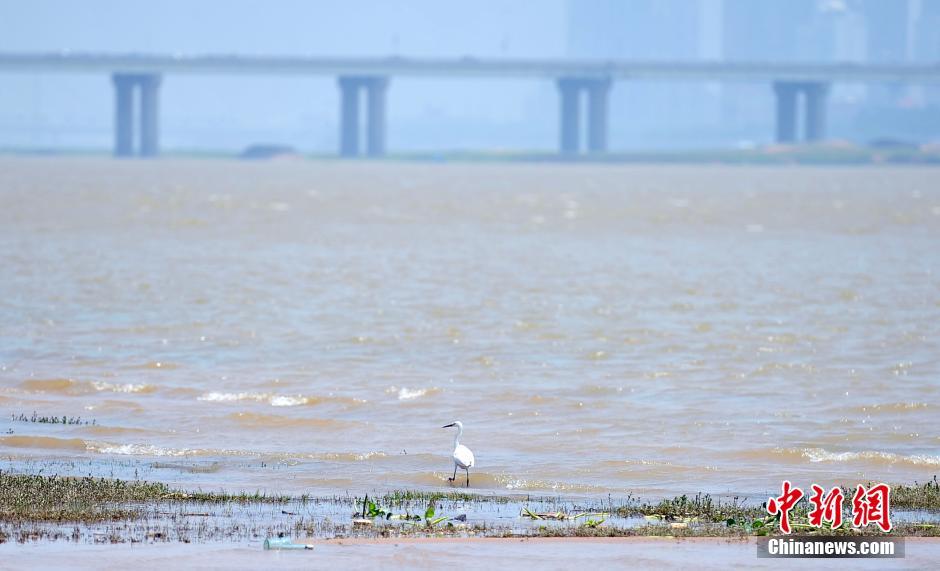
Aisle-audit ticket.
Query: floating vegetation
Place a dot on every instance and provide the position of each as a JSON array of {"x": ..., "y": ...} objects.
[
  {"x": 52, "y": 419},
  {"x": 560, "y": 515},
  {"x": 371, "y": 511}
]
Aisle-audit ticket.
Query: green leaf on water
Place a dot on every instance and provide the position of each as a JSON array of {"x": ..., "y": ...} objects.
[{"x": 430, "y": 512}]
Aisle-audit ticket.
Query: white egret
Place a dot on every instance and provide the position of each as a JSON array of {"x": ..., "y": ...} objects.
[{"x": 463, "y": 457}]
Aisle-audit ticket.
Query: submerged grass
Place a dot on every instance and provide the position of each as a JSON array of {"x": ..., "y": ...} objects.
[
  {"x": 35, "y": 497},
  {"x": 36, "y": 506},
  {"x": 917, "y": 497},
  {"x": 399, "y": 497},
  {"x": 26, "y": 497},
  {"x": 700, "y": 507}
]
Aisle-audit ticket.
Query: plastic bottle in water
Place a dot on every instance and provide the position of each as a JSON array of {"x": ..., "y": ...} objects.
[{"x": 281, "y": 542}]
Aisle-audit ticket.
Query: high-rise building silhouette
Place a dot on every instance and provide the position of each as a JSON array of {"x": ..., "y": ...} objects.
[{"x": 652, "y": 114}]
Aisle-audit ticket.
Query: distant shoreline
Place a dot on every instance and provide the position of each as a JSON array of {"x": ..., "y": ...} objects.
[{"x": 823, "y": 154}]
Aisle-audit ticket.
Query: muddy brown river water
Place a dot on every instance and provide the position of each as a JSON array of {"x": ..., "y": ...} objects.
[{"x": 307, "y": 327}]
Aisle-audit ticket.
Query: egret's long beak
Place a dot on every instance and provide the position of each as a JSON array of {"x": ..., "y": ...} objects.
[{"x": 449, "y": 425}]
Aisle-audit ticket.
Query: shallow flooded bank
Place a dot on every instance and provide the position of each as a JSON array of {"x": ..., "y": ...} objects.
[
  {"x": 544, "y": 553},
  {"x": 38, "y": 508}
]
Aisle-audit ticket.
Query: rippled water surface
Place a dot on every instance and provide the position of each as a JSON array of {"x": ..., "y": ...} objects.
[{"x": 309, "y": 326}]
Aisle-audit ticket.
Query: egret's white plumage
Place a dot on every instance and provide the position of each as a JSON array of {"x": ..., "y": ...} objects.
[{"x": 463, "y": 457}]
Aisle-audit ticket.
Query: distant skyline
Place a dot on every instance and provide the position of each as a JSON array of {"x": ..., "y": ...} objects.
[{"x": 229, "y": 113}]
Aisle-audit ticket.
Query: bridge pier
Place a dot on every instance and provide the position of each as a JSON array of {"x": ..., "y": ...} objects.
[
  {"x": 815, "y": 118},
  {"x": 149, "y": 116},
  {"x": 597, "y": 115},
  {"x": 375, "y": 142},
  {"x": 570, "y": 89},
  {"x": 125, "y": 85},
  {"x": 786, "y": 111},
  {"x": 351, "y": 88},
  {"x": 123, "y": 115},
  {"x": 788, "y": 95}
]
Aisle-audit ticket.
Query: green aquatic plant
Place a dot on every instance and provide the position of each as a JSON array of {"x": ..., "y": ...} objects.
[
  {"x": 560, "y": 515},
  {"x": 371, "y": 510},
  {"x": 592, "y": 523},
  {"x": 429, "y": 519}
]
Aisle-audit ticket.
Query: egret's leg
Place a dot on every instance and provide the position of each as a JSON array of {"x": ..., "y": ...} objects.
[
  {"x": 455, "y": 474},
  {"x": 468, "y": 477}
]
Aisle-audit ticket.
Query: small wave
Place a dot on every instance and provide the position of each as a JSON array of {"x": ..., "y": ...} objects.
[
  {"x": 153, "y": 450},
  {"x": 156, "y": 365},
  {"x": 139, "y": 450},
  {"x": 521, "y": 484},
  {"x": 274, "y": 399},
  {"x": 115, "y": 405},
  {"x": 348, "y": 456},
  {"x": 822, "y": 455},
  {"x": 288, "y": 401},
  {"x": 112, "y": 430},
  {"x": 598, "y": 390},
  {"x": 404, "y": 393},
  {"x": 75, "y": 387},
  {"x": 123, "y": 388},
  {"x": 48, "y": 442},
  {"x": 886, "y": 408},
  {"x": 255, "y": 420}
]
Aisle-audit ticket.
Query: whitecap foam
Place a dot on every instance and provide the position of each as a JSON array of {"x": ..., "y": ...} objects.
[
  {"x": 231, "y": 397},
  {"x": 138, "y": 450},
  {"x": 822, "y": 455},
  {"x": 120, "y": 388},
  {"x": 274, "y": 399},
  {"x": 404, "y": 393},
  {"x": 287, "y": 401}
]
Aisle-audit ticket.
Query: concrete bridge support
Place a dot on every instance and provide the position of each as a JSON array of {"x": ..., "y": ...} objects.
[
  {"x": 789, "y": 95},
  {"x": 570, "y": 120},
  {"x": 570, "y": 90},
  {"x": 149, "y": 116},
  {"x": 125, "y": 85},
  {"x": 351, "y": 88},
  {"x": 786, "y": 111},
  {"x": 597, "y": 115},
  {"x": 815, "y": 118}
]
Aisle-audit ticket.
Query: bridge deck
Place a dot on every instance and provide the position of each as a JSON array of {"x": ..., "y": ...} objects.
[{"x": 467, "y": 67}]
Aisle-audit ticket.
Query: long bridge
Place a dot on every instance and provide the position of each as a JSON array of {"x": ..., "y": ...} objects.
[{"x": 794, "y": 85}]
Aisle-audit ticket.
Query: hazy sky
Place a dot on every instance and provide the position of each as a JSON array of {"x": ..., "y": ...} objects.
[
  {"x": 351, "y": 27},
  {"x": 231, "y": 112}
]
